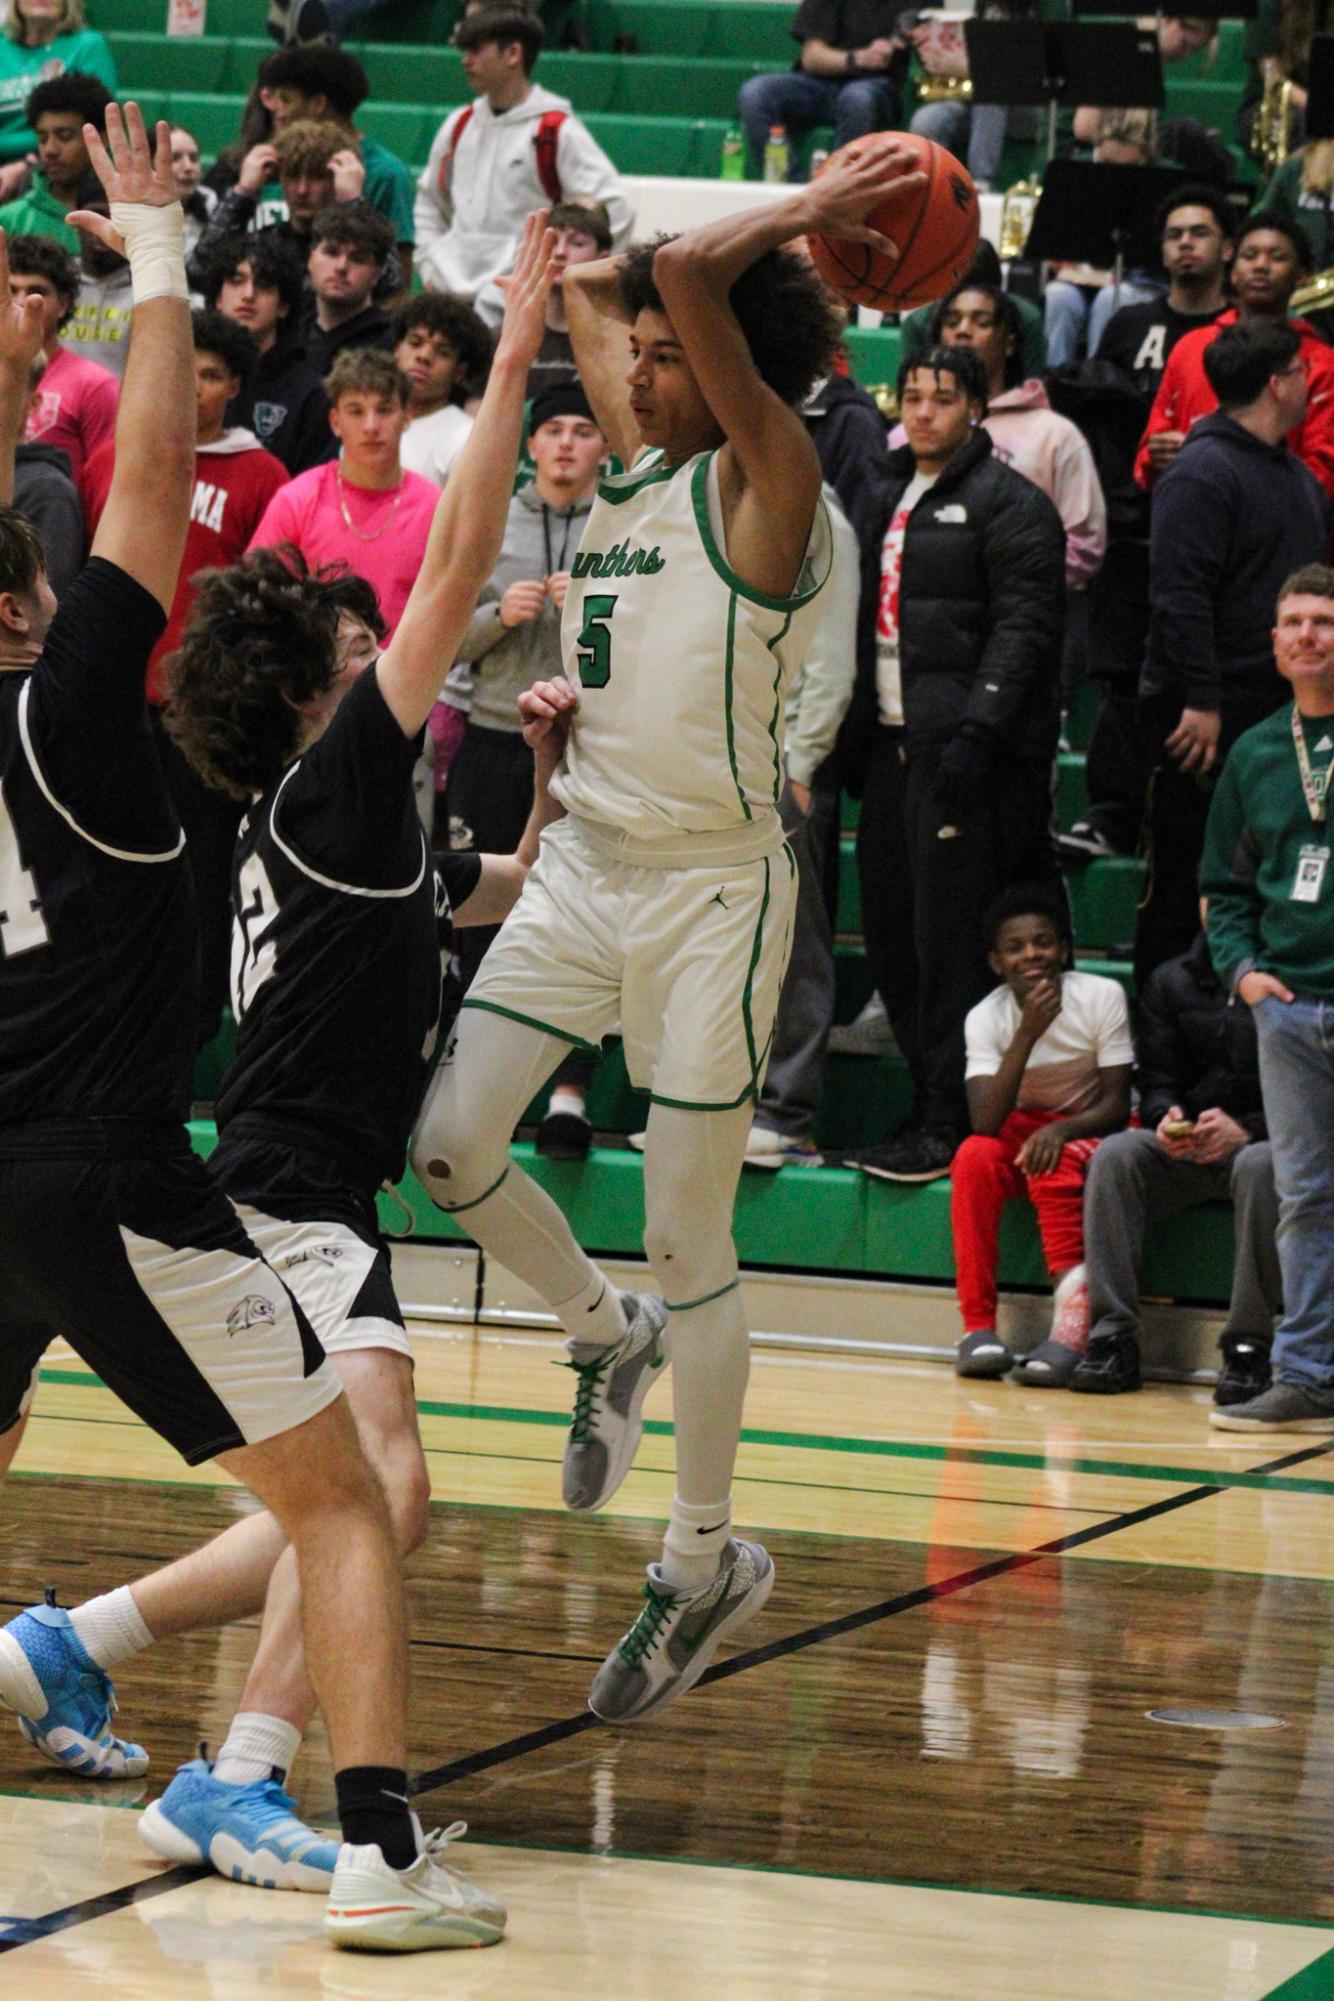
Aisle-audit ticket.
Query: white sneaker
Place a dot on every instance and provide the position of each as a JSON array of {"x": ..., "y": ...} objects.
[
  {"x": 373, "y": 1908},
  {"x": 771, "y": 1150}
]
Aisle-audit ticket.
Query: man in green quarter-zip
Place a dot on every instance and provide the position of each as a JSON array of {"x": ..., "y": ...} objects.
[{"x": 1270, "y": 887}]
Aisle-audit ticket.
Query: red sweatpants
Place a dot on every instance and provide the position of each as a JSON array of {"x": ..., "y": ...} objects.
[{"x": 985, "y": 1177}]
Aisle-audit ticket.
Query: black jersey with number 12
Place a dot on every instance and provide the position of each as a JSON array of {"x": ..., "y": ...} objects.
[{"x": 340, "y": 919}]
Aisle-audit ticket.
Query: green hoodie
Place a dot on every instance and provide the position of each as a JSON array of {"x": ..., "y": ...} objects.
[
  {"x": 1259, "y": 824},
  {"x": 38, "y": 213},
  {"x": 21, "y": 70}
]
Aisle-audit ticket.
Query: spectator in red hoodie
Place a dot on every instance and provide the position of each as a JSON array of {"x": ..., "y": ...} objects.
[
  {"x": 235, "y": 479},
  {"x": 74, "y": 408},
  {"x": 1273, "y": 256}
]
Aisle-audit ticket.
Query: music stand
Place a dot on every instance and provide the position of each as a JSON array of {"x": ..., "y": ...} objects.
[
  {"x": 1103, "y": 216},
  {"x": 1320, "y": 88},
  {"x": 1055, "y": 63},
  {"x": 1219, "y": 10}
]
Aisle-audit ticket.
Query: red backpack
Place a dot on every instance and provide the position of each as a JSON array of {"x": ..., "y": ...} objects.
[{"x": 545, "y": 141}]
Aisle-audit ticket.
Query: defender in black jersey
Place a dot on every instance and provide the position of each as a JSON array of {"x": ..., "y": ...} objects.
[
  {"x": 152, "y": 1275},
  {"x": 281, "y": 696}
]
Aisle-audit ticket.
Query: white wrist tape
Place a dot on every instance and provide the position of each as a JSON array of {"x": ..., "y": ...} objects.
[{"x": 154, "y": 244}]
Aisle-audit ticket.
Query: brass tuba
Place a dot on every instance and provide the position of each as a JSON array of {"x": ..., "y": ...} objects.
[
  {"x": 1272, "y": 129},
  {"x": 944, "y": 89},
  {"x": 1017, "y": 212},
  {"x": 1315, "y": 296}
]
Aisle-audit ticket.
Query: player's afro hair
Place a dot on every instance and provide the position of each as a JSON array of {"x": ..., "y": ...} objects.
[
  {"x": 790, "y": 321},
  {"x": 261, "y": 641}
]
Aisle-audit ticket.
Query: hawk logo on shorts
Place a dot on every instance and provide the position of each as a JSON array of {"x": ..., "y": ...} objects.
[
  {"x": 326, "y": 1254},
  {"x": 250, "y": 1312}
]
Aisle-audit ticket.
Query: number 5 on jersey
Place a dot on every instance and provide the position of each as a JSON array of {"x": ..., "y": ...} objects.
[{"x": 594, "y": 642}]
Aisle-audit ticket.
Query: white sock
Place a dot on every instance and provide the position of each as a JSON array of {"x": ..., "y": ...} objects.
[
  {"x": 567, "y": 1100},
  {"x": 111, "y": 1629},
  {"x": 595, "y": 1317},
  {"x": 255, "y": 1745},
  {"x": 693, "y": 1546},
  {"x": 1074, "y": 1278}
]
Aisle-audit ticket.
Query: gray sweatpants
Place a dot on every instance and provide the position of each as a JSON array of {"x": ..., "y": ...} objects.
[
  {"x": 1131, "y": 1178},
  {"x": 791, "y": 1089}
]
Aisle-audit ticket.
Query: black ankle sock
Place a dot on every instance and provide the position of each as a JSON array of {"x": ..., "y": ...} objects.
[{"x": 373, "y": 1808}]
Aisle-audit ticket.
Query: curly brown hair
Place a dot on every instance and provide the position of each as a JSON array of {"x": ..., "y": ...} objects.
[
  {"x": 789, "y": 320},
  {"x": 261, "y": 641}
]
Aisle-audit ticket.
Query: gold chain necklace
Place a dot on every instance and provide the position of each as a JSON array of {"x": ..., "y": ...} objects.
[{"x": 351, "y": 524}]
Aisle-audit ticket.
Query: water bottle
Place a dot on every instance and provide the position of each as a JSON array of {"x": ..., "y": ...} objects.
[
  {"x": 818, "y": 158},
  {"x": 734, "y": 155},
  {"x": 777, "y": 154}
]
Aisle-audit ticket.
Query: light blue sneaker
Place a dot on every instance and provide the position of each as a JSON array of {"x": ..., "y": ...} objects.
[
  {"x": 64, "y": 1701},
  {"x": 250, "y": 1834}
]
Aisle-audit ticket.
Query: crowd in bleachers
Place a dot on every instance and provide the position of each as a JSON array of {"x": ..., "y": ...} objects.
[{"x": 1106, "y": 478}]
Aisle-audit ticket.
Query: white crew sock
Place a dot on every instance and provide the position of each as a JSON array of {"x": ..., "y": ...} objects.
[
  {"x": 111, "y": 1629},
  {"x": 595, "y": 1317},
  {"x": 695, "y": 1540},
  {"x": 567, "y": 1100},
  {"x": 256, "y": 1745}
]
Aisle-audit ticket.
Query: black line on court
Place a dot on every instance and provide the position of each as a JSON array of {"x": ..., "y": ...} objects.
[
  {"x": 851, "y": 1622},
  {"x": 28, "y": 1931}
]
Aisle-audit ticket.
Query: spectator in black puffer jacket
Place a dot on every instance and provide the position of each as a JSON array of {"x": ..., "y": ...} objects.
[
  {"x": 953, "y": 726},
  {"x": 1198, "y": 1068}
]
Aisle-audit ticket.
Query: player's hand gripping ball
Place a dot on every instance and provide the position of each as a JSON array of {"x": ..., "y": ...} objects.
[{"x": 935, "y": 226}]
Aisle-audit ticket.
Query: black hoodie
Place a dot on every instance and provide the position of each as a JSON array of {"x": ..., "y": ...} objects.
[
  {"x": 1232, "y": 518},
  {"x": 286, "y": 407},
  {"x": 46, "y": 496}
]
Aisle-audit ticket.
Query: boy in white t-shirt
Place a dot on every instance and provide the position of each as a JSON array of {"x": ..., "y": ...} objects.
[{"x": 1049, "y": 1063}]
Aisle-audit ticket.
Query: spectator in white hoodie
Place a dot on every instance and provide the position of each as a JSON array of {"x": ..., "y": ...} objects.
[
  {"x": 515, "y": 148},
  {"x": 1026, "y": 432}
]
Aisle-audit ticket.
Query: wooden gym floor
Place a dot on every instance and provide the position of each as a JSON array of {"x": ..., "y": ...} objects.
[{"x": 927, "y": 1773}]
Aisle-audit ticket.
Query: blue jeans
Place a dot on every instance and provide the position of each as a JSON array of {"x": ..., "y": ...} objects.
[
  {"x": 974, "y": 133},
  {"x": 799, "y": 103},
  {"x": 1068, "y": 309},
  {"x": 1297, "y": 1078}
]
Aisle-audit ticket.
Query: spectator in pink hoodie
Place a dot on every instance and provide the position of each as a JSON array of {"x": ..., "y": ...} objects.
[{"x": 1026, "y": 432}]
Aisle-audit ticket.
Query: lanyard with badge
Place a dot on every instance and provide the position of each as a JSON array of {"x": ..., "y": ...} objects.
[{"x": 1314, "y": 857}]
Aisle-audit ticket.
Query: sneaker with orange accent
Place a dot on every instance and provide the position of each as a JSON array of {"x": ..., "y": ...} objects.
[{"x": 427, "y": 1908}]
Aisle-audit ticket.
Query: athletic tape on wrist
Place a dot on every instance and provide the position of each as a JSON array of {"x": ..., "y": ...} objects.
[{"x": 154, "y": 240}]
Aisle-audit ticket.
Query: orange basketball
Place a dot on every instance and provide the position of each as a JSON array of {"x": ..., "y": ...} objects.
[{"x": 935, "y": 226}]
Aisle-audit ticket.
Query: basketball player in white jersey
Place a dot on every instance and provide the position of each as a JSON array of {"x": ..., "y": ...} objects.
[{"x": 664, "y": 899}]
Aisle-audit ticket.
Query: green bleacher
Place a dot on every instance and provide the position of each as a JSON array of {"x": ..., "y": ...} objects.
[
  {"x": 649, "y": 62},
  {"x": 693, "y": 53}
]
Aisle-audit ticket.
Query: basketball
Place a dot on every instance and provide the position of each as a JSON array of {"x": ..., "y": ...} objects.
[{"x": 936, "y": 228}]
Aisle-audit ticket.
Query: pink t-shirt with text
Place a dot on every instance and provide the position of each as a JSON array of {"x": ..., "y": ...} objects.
[
  {"x": 385, "y": 543},
  {"x": 74, "y": 408}
]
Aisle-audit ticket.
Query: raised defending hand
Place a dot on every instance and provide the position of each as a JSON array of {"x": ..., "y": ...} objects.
[
  {"x": 857, "y": 180},
  {"x": 20, "y": 327},
  {"x": 527, "y": 289},
  {"x": 128, "y": 168},
  {"x": 547, "y": 709}
]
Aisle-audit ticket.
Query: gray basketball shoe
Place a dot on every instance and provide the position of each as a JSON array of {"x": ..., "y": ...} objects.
[
  {"x": 678, "y": 1633},
  {"x": 613, "y": 1382}
]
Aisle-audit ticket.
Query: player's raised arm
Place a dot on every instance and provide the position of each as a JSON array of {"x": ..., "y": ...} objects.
[
  {"x": 20, "y": 344},
  {"x": 600, "y": 337},
  {"x": 469, "y": 524},
  {"x": 694, "y": 275},
  {"x": 143, "y": 526}
]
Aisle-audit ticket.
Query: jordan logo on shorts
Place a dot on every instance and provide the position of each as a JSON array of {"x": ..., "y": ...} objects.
[{"x": 249, "y": 1312}]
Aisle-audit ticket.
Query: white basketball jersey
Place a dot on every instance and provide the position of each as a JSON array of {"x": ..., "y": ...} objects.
[{"x": 682, "y": 669}]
